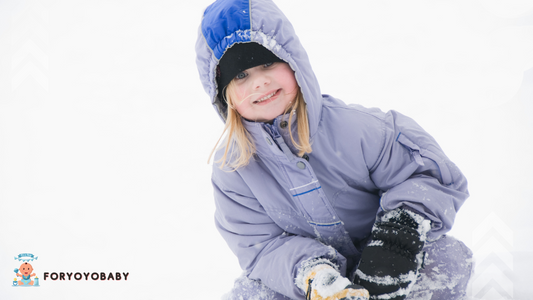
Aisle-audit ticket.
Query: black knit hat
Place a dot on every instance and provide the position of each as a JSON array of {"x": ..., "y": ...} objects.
[{"x": 240, "y": 57}]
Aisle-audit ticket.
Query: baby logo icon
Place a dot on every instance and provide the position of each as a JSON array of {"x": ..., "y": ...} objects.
[{"x": 25, "y": 272}]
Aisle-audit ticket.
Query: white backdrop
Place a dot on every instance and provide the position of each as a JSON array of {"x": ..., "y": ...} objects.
[{"x": 105, "y": 132}]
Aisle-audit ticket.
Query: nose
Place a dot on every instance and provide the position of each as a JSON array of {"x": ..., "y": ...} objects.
[{"x": 261, "y": 79}]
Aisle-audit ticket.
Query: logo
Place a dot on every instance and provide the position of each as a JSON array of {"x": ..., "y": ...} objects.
[{"x": 24, "y": 275}]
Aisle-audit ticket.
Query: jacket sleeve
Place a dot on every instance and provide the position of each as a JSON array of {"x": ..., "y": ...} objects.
[
  {"x": 413, "y": 172},
  {"x": 265, "y": 252}
]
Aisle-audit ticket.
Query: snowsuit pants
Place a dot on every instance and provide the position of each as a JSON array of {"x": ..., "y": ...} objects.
[{"x": 447, "y": 270}]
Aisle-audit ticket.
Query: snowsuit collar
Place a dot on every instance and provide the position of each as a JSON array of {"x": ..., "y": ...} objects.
[{"x": 266, "y": 141}]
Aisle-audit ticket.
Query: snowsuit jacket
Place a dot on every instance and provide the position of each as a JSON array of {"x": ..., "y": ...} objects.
[{"x": 282, "y": 210}]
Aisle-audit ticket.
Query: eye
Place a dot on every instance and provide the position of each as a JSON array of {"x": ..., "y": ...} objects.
[
  {"x": 241, "y": 75},
  {"x": 268, "y": 64}
]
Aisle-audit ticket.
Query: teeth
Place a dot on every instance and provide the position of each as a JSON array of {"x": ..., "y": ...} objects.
[{"x": 265, "y": 97}]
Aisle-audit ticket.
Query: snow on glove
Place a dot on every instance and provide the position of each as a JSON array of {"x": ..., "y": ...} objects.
[
  {"x": 390, "y": 263},
  {"x": 323, "y": 282}
]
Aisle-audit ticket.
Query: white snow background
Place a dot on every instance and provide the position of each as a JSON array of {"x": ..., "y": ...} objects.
[{"x": 105, "y": 131}]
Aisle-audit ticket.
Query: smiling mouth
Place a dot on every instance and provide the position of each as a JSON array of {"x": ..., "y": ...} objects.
[{"x": 266, "y": 97}]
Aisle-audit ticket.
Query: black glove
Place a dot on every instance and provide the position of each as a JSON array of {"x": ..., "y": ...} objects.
[{"x": 390, "y": 263}]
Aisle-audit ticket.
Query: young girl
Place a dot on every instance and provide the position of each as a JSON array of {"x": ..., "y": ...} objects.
[{"x": 319, "y": 199}]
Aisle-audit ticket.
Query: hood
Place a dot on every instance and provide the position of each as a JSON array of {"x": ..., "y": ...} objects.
[{"x": 227, "y": 22}]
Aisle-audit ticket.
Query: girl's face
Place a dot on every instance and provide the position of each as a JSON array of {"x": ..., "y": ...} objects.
[{"x": 264, "y": 92}]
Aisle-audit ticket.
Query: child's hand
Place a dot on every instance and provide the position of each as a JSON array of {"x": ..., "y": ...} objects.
[
  {"x": 390, "y": 263},
  {"x": 323, "y": 282}
]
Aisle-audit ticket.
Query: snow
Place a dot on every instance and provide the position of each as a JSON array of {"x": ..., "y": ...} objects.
[
  {"x": 105, "y": 131},
  {"x": 322, "y": 286},
  {"x": 388, "y": 280},
  {"x": 424, "y": 226}
]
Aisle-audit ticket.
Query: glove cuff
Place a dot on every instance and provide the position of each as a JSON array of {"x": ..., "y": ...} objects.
[
  {"x": 324, "y": 282},
  {"x": 306, "y": 269}
]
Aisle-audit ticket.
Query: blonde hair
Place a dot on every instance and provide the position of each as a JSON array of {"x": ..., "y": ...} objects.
[{"x": 240, "y": 140}]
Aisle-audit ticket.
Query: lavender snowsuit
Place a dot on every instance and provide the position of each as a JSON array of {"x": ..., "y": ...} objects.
[{"x": 282, "y": 210}]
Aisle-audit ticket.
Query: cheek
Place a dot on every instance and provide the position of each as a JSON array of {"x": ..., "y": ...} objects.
[
  {"x": 240, "y": 105},
  {"x": 287, "y": 77},
  {"x": 240, "y": 94},
  {"x": 293, "y": 86}
]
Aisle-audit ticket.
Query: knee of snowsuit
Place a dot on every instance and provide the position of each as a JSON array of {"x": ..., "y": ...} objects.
[{"x": 447, "y": 271}]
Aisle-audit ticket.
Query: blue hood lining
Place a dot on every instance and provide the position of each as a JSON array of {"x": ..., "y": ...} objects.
[{"x": 225, "y": 25}]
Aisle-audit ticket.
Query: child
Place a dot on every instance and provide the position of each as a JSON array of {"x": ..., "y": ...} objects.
[
  {"x": 25, "y": 270},
  {"x": 319, "y": 199}
]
